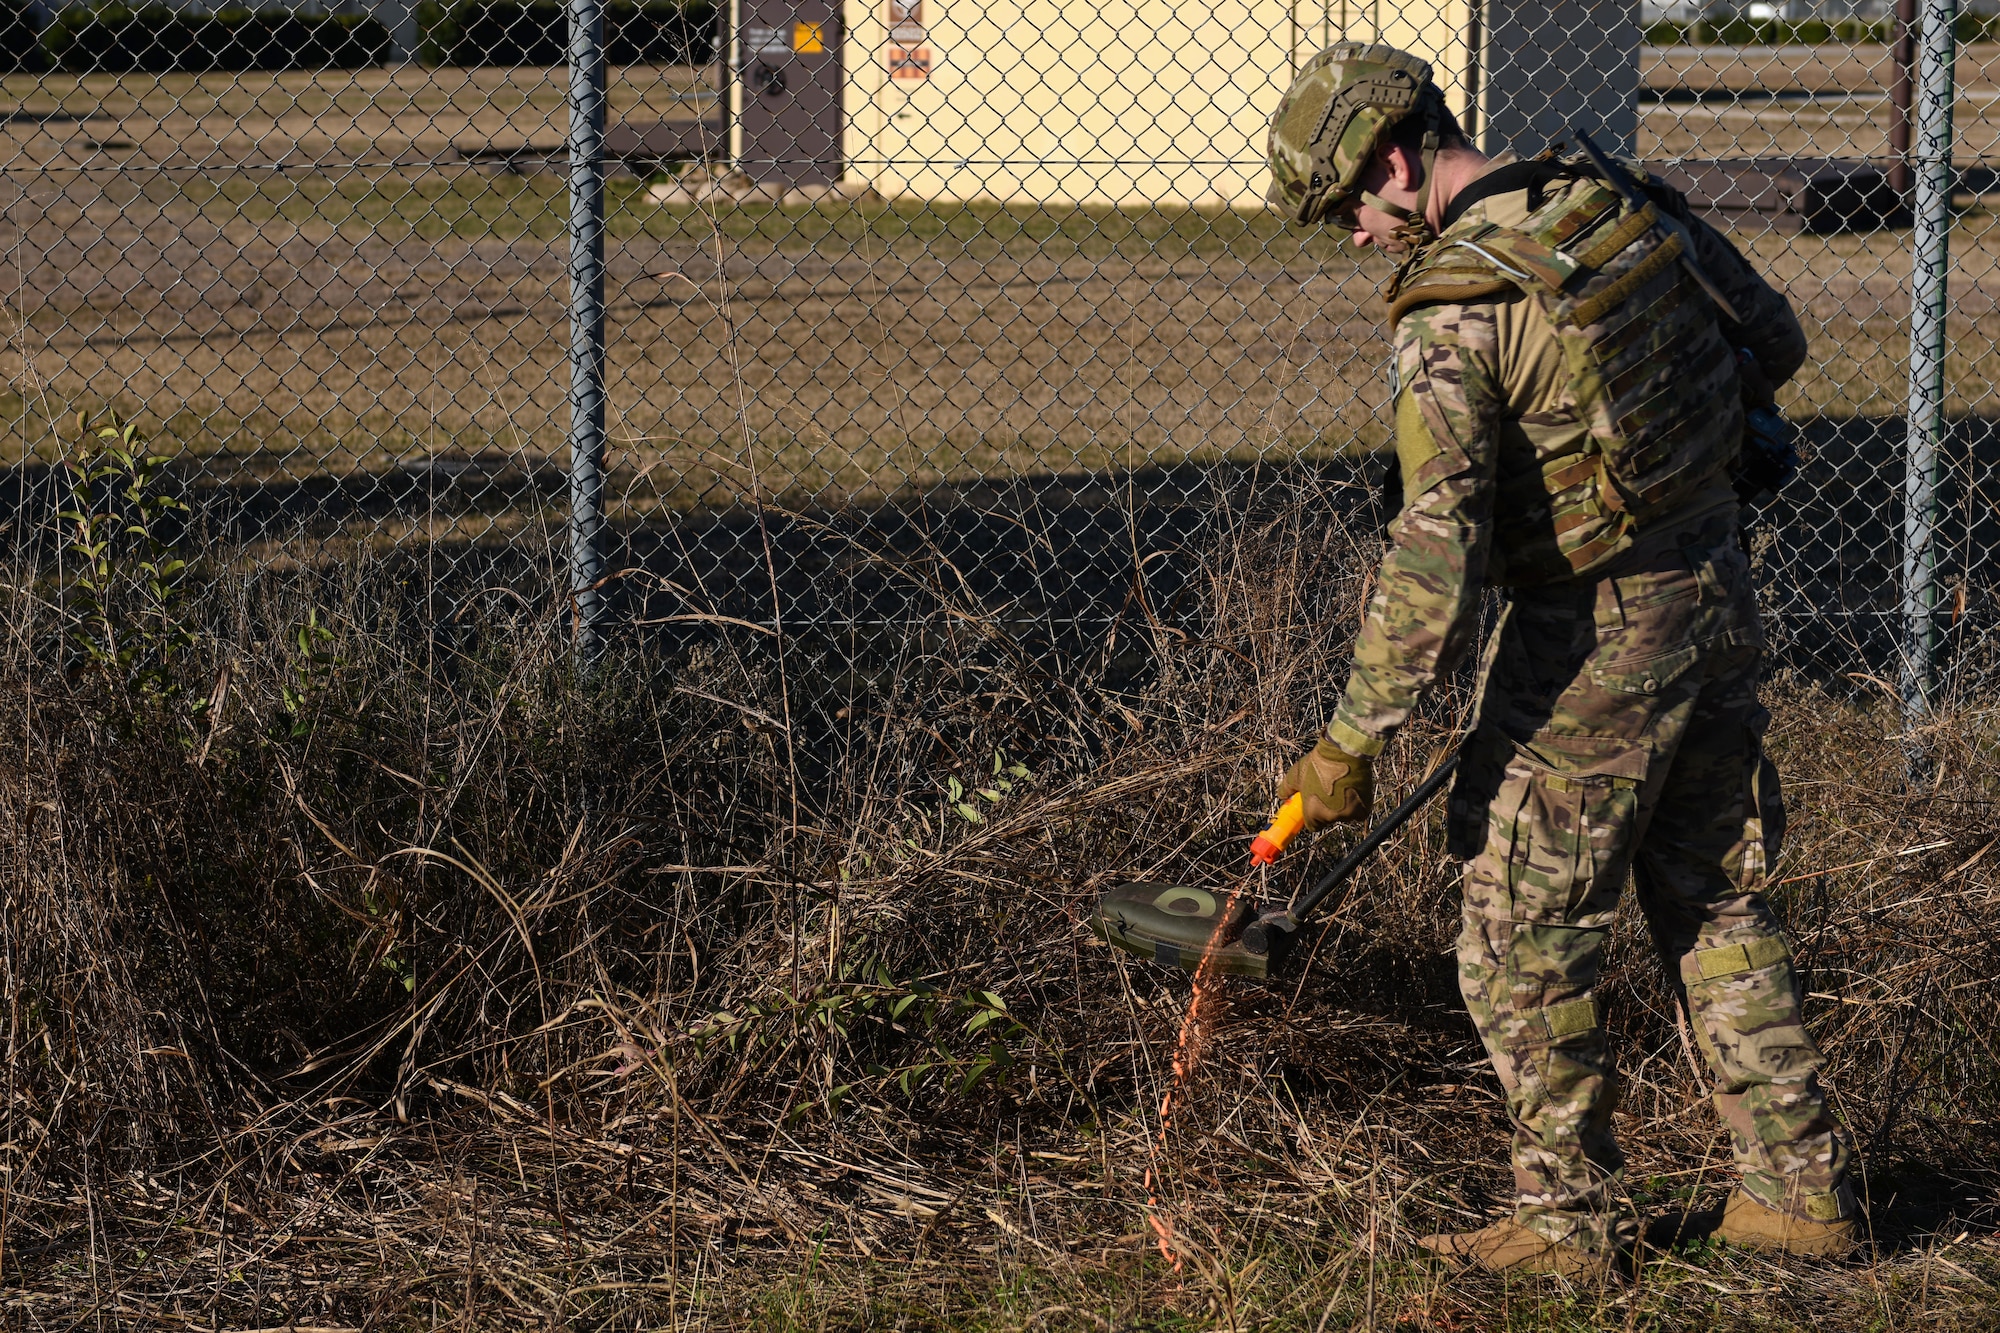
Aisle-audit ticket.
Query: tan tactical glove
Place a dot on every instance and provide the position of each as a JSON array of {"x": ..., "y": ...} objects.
[{"x": 1337, "y": 786}]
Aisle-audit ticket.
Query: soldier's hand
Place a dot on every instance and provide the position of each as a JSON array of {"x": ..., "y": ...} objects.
[
  {"x": 1755, "y": 386},
  {"x": 1337, "y": 787}
]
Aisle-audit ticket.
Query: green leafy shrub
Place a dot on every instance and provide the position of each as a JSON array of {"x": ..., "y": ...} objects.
[{"x": 125, "y": 591}]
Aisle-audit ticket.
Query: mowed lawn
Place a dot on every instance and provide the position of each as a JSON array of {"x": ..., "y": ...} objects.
[{"x": 289, "y": 275}]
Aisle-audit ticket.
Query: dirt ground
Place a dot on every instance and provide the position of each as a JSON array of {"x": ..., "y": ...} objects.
[{"x": 296, "y": 275}]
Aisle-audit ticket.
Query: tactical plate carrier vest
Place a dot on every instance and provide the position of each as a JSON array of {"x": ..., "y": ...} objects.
[{"x": 1653, "y": 417}]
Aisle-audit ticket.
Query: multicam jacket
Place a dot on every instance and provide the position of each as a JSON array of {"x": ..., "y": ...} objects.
[{"x": 1567, "y": 401}]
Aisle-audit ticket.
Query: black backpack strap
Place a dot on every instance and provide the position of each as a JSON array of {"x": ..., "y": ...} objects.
[{"x": 1533, "y": 176}]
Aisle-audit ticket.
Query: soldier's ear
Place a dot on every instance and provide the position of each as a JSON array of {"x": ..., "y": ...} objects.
[{"x": 1405, "y": 168}]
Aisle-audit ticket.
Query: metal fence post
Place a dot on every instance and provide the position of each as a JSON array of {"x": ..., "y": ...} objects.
[
  {"x": 1929, "y": 261},
  {"x": 586, "y": 321}
]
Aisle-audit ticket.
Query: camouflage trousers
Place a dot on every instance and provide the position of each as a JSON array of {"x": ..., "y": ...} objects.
[{"x": 1620, "y": 729}]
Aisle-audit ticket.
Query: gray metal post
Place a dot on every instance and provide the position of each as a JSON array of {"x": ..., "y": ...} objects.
[
  {"x": 586, "y": 321},
  {"x": 1931, "y": 173}
]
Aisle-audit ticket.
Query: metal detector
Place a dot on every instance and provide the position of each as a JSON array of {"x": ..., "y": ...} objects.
[{"x": 1181, "y": 926}]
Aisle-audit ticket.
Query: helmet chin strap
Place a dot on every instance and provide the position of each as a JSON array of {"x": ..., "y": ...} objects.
[{"x": 1413, "y": 231}]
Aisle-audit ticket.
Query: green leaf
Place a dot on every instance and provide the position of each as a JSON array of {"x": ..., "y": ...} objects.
[{"x": 969, "y": 814}]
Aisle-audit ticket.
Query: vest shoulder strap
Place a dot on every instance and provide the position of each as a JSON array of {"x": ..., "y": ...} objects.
[
  {"x": 1484, "y": 261},
  {"x": 1445, "y": 287}
]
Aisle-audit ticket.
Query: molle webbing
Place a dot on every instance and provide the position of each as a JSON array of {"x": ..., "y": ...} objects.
[
  {"x": 1571, "y": 471},
  {"x": 1626, "y": 232},
  {"x": 1730, "y": 960},
  {"x": 1589, "y": 312},
  {"x": 1654, "y": 418}
]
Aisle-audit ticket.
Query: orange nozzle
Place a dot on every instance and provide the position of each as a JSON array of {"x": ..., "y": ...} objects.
[{"x": 1284, "y": 826}]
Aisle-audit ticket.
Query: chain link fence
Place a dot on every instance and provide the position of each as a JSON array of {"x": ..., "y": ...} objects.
[{"x": 909, "y": 309}]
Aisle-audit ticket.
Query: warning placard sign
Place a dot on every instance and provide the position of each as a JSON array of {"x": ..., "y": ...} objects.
[{"x": 909, "y": 52}]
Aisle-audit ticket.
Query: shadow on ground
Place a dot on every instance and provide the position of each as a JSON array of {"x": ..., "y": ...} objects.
[{"x": 1076, "y": 567}]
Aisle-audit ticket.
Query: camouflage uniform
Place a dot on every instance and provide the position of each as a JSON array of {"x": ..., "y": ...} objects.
[{"x": 1619, "y": 725}]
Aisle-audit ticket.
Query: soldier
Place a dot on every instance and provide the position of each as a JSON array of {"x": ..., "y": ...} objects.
[{"x": 1569, "y": 407}]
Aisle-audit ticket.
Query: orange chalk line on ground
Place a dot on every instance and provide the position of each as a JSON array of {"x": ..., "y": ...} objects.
[{"x": 1187, "y": 1055}]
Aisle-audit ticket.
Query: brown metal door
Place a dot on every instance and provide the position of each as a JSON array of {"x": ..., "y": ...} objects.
[{"x": 788, "y": 55}]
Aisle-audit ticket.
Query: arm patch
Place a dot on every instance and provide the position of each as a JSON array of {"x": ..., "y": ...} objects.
[{"x": 1414, "y": 444}]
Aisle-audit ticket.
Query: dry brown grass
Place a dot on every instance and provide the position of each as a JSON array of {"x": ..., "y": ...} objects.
[
  {"x": 419, "y": 982},
  {"x": 422, "y": 984}
]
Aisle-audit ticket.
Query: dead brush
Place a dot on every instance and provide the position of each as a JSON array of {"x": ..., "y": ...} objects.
[{"x": 413, "y": 976}]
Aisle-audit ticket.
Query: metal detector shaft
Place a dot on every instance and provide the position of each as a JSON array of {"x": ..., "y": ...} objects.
[{"x": 1376, "y": 837}]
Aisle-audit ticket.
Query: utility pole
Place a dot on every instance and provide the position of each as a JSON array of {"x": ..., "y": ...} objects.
[{"x": 1905, "y": 57}]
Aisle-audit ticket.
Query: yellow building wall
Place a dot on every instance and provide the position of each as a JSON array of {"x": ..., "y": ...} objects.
[{"x": 1121, "y": 102}]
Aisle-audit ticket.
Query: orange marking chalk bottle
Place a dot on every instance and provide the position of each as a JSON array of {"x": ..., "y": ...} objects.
[{"x": 1284, "y": 826}]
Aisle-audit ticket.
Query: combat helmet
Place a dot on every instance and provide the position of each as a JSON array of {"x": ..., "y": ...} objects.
[{"x": 1342, "y": 104}]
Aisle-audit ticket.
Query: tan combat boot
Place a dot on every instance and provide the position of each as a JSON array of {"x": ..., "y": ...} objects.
[
  {"x": 1753, "y": 1225},
  {"x": 1510, "y": 1247}
]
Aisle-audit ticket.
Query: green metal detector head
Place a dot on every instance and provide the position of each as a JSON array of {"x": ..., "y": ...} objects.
[{"x": 1179, "y": 926}]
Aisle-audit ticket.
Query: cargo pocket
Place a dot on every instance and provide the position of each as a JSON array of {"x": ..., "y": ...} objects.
[
  {"x": 1645, "y": 675},
  {"x": 1569, "y": 805}
]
